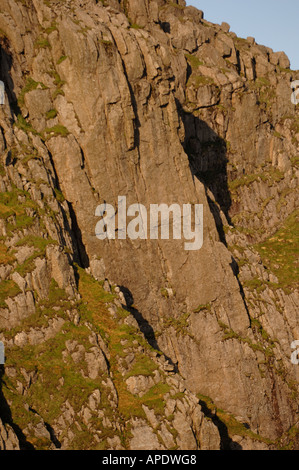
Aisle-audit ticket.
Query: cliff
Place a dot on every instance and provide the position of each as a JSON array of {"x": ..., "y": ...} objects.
[{"x": 141, "y": 344}]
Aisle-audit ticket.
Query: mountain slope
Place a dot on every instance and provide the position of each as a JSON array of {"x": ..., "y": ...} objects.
[{"x": 136, "y": 343}]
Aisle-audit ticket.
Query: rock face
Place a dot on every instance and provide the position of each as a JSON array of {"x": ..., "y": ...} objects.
[
  {"x": 145, "y": 99},
  {"x": 8, "y": 439}
]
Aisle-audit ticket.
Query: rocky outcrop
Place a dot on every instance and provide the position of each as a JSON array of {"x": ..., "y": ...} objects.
[
  {"x": 8, "y": 439},
  {"x": 146, "y": 100}
]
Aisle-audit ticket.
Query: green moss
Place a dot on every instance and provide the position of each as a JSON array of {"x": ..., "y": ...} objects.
[
  {"x": 278, "y": 135},
  {"x": 40, "y": 244},
  {"x": 164, "y": 293},
  {"x": 51, "y": 114},
  {"x": 106, "y": 42},
  {"x": 57, "y": 92},
  {"x": 261, "y": 82},
  {"x": 283, "y": 70},
  {"x": 29, "y": 86},
  {"x": 119, "y": 338},
  {"x": 179, "y": 324},
  {"x": 17, "y": 209},
  {"x": 258, "y": 328},
  {"x": 229, "y": 422},
  {"x": 61, "y": 59},
  {"x": 57, "y": 130},
  {"x": 8, "y": 289},
  {"x": 154, "y": 398},
  {"x": 47, "y": 360},
  {"x": 194, "y": 61},
  {"x": 42, "y": 43},
  {"x": 203, "y": 307},
  {"x": 265, "y": 92},
  {"x": 134, "y": 25},
  {"x": 235, "y": 427},
  {"x": 59, "y": 196},
  {"x": 268, "y": 175},
  {"x": 6, "y": 256},
  {"x": 246, "y": 180},
  {"x": 197, "y": 80},
  {"x": 59, "y": 378},
  {"x": 56, "y": 295},
  {"x": 241, "y": 42},
  {"x": 143, "y": 365},
  {"x": 266, "y": 349},
  {"x": 51, "y": 28},
  {"x": 58, "y": 82},
  {"x": 255, "y": 285},
  {"x": 295, "y": 125},
  {"x": 23, "y": 124},
  {"x": 280, "y": 252},
  {"x": 295, "y": 161},
  {"x": 283, "y": 198}
]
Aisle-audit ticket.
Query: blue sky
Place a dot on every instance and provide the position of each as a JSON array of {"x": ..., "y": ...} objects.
[{"x": 273, "y": 23}]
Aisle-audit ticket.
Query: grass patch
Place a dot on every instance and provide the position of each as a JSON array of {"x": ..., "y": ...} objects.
[
  {"x": 265, "y": 92},
  {"x": 42, "y": 43},
  {"x": 57, "y": 130},
  {"x": 295, "y": 125},
  {"x": 106, "y": 42},
  {"x": 261, "y": 345},
  {"x": 94, "y": 299},
  {"x": 40, "y": 244},
  {"x": 29, "y": 86},
  {"x": 203, "y": 307},
  {"x": 51, "y": 28},
  {"x": 51, "y": 114},
  {"x": 47, "y": 361},
  {"x": 194, "y": 61},
  {"x": 8, "y": 289},
  {"x": 143, "y": 366},
  {"x": 5, "y": 256},
  {"x": 179, "y": 324},
  {"x": 269, "y": 176},
  {"x": 15, "y": 207},
  {"x": 164, "y": 292},
  {"x": 58, "y": 82},
  {"x": 61, "y": 59},
  {"x": 255, "y": 285},
  {"x": 228, "y": 422},
  {"x": 134, "y": 25},
  {"x": 197, "y": 80},
  {"x": 24, "y": 125},
  {"x": 244, "y": 181},
  {"x": 59, "y": 196},
  {"x": 154, "y": 398},
  {"x": 280, "y": 252},
  {"x": 59, "y": 378}
]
